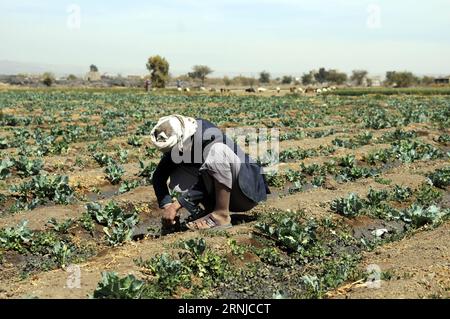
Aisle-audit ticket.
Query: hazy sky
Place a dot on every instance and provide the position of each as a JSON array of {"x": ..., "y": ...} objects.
[{"x": 231, "y": 36}]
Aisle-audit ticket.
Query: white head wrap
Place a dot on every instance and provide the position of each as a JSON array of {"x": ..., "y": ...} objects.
[{"x": 173, "y": 130}]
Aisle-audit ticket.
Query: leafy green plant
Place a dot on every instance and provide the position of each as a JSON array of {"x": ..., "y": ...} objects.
[
  {"x": 364, "y": 138},
  {"x": 16, "y": 238},
  {"x": 313, "y": 169},
  {"x": 440, "y": 178},
  {"x": 291, "y": 235},
  {"x": 271, "y": 256},
  {"x": 103, "y": 159},
  {"x": 127, "y": 186},
  {"x": 296, "y": 187},
  {"x": 169, "y": 272},
  {"x": 318, "y": 181},
  {"x": 397, "y": 135},
  {"x": 147, "y": 170},
  {"x": 401, "y": 193},
  {"x": 62, "y": 253},
  {"x": 26, "y": 167},
  {"x": 4, "y": 144},
  {"x": 236, "y": 249},
  {"x": 5, "y": 168},
  {"x": 42, "y": 188},
  {"x": 374, "y": 197},
  {"x": 427, "y": 194},
  {"x": 419, "y": 216},
  {"x": 202, "y": 262},
  {"x": 114, "y": 173},
  {"x": 383, "y": 181},
  {"x": 444, "y": 139},
  {"x": 114, "y": 287},
  {"x": 347, "y": 174},
  {"x": 377, "y": 119},
  {"x": 350, "y": 206},
  {"x": 196, "y": 246},
  {"x": 383, "y": 156},
  {"x": 87, "y": 222},
  {"x": 274, "y": 179},
  {"x": 409, "y": 151},
  {"x": 118, "y": 223},
  {"x": 135, "y": 141},
  {"x": 123, "y": 155},
  {"x": 348, "y": 161},
  {"x": 62, "y": 227}
]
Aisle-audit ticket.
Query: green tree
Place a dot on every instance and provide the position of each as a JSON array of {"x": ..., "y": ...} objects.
[
  {"x": 401, "y": 79},
  {"x": 307, "y": 79},
  {"x": 159, "y": 71},
  {"x": 93, "y": 68},
  {"x": 427, "y": 80},
  {"x": 287, "y": 79},
  {"x": 48, "y": 78},
  {"x": 321, "y": 76},
  {"x": 264, "y": 77},
  {"x": 227, "y": 81},
  {"x": 200, "y": 72},
  {"x": 244, "y": 80},
  {"x": 358, "y": 76},
  {"x": 336, "y": 77},
  {"x": 72, "y": 77}
]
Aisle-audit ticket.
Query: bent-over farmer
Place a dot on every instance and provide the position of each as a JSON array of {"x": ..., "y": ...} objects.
[{"x": 210, "y": 173}]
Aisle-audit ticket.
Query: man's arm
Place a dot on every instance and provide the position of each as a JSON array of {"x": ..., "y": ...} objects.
[{"x": 162, "y": 173}]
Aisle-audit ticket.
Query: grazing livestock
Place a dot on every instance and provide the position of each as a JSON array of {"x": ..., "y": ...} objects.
[
  {"x": 296, "y": 90},
  {"x": 202, "y": 88},
  {"x": 179, "y": 89},
  {"x": 250, "y": 90},
  {"x": 261, "y": 90},
  {"x": 187, "y": 89},
  {"x": 278, "y": 90}
]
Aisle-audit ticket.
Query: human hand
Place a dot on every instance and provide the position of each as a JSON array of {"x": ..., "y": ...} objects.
[{"x": 170, "y": 213}]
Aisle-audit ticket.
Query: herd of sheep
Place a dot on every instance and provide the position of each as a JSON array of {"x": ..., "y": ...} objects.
[{"x": 299, "y": 90}]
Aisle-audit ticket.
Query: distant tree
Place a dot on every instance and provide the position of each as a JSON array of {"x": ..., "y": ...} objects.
[
  {"x": 227, "y": 81},
  {"x": 307, "y": 79},
  {"x": 287, "y": 79},
  {"x": 358, "y": 76},
  {"x": 48, "y": 78},
  {"x": 321, "y": 76},
  {"x": 264, "y": 77},
  {"x": 93, "y": 68},
  {"x": 159, "y": 71},
  {"x": 200, "y": 72},
  {"x": 336, "y": 77},
  {"x": 251, "y": 81},
  {"x": 72, "y": 77},
  {"x": 244, "y": 80},
  {"x": 427, "y": 80},
  {"x": 401, "y": 79}
]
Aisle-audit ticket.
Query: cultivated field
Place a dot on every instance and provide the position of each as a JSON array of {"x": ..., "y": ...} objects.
[{"x": 363, "y": 184}]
